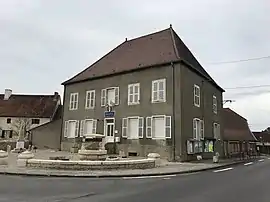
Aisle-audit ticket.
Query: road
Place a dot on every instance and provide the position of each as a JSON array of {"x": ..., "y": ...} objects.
[{"x": 249, "y": 183}]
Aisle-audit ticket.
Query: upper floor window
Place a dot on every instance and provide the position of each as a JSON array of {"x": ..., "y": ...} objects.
[
  {"x": 159, "y": 90},
  {"x": 197, "y": 95},
  {"x": 216, "y": 130},
  {"x": 8, "y": 120},
  {"x": 133, "y": 94},
  {"x": 90, "y": 99},
  {"x": 215, "y": 104},
  {"x": 35, "y": 121},
  {"x": 110, "y": 96},
  {"x": 198, "y": 129},
  {"x": 73, "y": 101}
]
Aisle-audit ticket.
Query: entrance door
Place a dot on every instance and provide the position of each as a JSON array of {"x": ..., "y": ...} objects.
[{"x": 109, "y": 129}]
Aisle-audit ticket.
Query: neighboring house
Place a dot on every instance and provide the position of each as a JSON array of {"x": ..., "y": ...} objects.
[
  {"x": 263, "y": 141},
  {"x": 48, "y": 135},
  {"x": 28, "y": 110},
  {"x": 237, "y": 135},
  {"x": 149, "y": 94}
]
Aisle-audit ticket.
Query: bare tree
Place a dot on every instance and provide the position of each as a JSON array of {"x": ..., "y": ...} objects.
[{"x": 20, "y": 126}]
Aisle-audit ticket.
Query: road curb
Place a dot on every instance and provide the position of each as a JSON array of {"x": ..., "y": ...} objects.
[{"x": 41, "y": 174}]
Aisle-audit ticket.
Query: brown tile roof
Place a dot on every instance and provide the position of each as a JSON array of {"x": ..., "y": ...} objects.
[
  {"x": 262, "y": 136},
  {"x": 235, "y": 126},
  {"x": 155, "y": 49},
  {"x": 34, "y": 106}
]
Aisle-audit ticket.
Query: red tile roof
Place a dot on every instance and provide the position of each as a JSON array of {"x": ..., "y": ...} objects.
[
  {"x": 34, "y": 106},
  {"x": 150, "y": 50},
  {"x": 235, "y": 126}
]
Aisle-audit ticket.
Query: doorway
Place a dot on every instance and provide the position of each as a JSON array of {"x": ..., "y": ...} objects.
[{"x": 109, "y": 129}]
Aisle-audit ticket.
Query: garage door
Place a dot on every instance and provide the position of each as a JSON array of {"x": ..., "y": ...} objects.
[
  {"x": 133, "y": 128},
  {"x": 158, "y": 127}
]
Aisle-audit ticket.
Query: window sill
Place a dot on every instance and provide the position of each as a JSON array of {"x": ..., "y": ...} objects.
[
  {"x": 73, "y": 109},
  {"x": 89, "y": 107},
  {"x": 135, "y": 103},
  {"x": 196, "y": 105},
  {"x": 159, "y": 101}
]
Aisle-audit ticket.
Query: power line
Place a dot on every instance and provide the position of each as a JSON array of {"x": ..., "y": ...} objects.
[
  {"x": 237, "y": 61},
  {"x": 248, "y": 87}
]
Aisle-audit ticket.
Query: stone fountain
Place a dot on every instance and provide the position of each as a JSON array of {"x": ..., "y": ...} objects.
[{"x": 93, "y": 148}]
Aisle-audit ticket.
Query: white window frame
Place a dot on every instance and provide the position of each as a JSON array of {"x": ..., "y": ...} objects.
[
  {"x": 104, "y": 96},
  {"x": 198, "y": 133},
  {"x": 197, "y": 96},
  {"x": 94, "y": 129},
  {"x": 216, "y": 131},
  {"x": 158, "y": 99},
  {"x": 76, "y": 128},
  {"x": 133, "y": 94},
  {"x": 214, "y": 104},
  {"x": 140, "y": 127},
  {"x": 149, "y": 128},
  {"x": 73, "y": 104},
  {"x": 89, "y": 101}
]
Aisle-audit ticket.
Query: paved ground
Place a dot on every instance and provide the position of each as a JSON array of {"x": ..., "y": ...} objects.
[{"x": 246, "y": 182}]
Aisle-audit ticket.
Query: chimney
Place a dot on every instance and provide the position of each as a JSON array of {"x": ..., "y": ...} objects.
[
  {"x": 8, "y": 93},
  {"x": 55, "y": 96}
]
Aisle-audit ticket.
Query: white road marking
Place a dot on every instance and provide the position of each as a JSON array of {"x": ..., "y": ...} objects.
[
  {"x": 247, "y": 164},
  {"x": 222, "y": 170},
  {"x": 268, "y": 158},
  {"x": 166, "y": 178},
  {"x": 148, "y": 177},
  {"x": 261, "y": 160}
]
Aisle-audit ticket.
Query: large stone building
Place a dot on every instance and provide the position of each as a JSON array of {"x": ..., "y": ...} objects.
[{"x": 149, "y": 94}]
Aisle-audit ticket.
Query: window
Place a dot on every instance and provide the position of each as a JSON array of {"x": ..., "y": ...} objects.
[
  {"x": 6, "y": 134},
  {"x": 158, "y": 127},
  {"x": 8, "y": 120},
  {"x": 88, "y": 126},
  {"x": 71, "y": 129},
  {"x": 198, "y": 129},
  {"x": 197, "y": 96},
  {"x": 133, "y": 94},
  {"x": 216, "y": 130},
  {"x": 110, "y": 96},
  {"x": 132, "y": 127},
  {"x": 215, "y": 104},
  {"x": 35, "y": 121},
  {"x": 90, "y": 99},
  {"x": 159, "y": 90},
  {"x": 73, "y": 101}
]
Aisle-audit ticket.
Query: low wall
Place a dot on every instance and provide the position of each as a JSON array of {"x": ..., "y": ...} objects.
[
  {"x": 91, "y": 165},
  {"x": 12, "y": 143}
]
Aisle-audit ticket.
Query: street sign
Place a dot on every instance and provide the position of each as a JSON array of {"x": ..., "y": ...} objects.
[{"x": 109, "y": 114}]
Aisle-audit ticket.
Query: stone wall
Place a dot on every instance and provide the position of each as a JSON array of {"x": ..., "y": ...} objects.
[
  {"x": 12, "y": 143},
  {"x": 91, "y": 165}
]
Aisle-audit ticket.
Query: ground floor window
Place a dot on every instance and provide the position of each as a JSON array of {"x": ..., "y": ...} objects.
[
  {"x": 71, "y": 129},
  {"x": 6, "y": 133},
  {"x": 88, "y": 127},
  {"x": 132, "y": 127},
  {"x": 234, "y": 147},
  {"x": 158, "y": 127},
  {"x": 208, "y": 146},
  {"x": 194, "y": 147}
]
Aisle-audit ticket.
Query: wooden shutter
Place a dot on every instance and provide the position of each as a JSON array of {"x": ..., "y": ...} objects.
[
  {"x": 130, "y": 94},
  {"x": 202, "y": 129},
  {"x": 77, "y": 128},
  {"x": 103, "y": 97},
  {"x": 154, "y": 91},
  {"x": 194, "y": 129},
  {"x": 116, "y": 91},
  {"x": 66, "y": 129},
  {"x": 94, "y": 127},
  {"x": 124, "y": 127},
  {"x": 148, "y": 127},
  {"x": 82, "y": 128},
  {"x": 168, "y": 127},
  {"x": 140, "y": 127}
]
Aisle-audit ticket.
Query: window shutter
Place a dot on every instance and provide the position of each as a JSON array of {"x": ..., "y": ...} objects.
[
  {"x": 194, "y": 129},
  {"x": 87, "y": 100},
  {"x": 137, "y": 93},
  {"x": 66, "y": 129},
  {"x": 94, "y": 128},
  {"x": 77, "y": 129},
  {"x": 103, "y": 97},
  {"x": 154, "y": 91},
  {"x": 202, "y": 129},
  {"x": 76, "y": 100},
  {"x": 130, "y": 94},
  {"x": 148, "y": 127},
  {"x": 82, "y": 128},
  {"x": 71, "y": 101},
  {"x": 116, "y": 91},
  {"x": 161, "y": 90},
  {"x": 168, "y": 127},
  {"x": 218, "y": 131},
  {"x": 92, "y": 99},
  {"x": 124, "y": 127},
  {"x": 140, "y": 127}
]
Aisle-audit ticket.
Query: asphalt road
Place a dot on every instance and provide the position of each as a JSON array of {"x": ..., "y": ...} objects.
[{"x": 247, "y": 183}]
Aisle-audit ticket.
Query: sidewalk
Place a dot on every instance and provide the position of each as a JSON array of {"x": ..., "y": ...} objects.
[{"x": 168, "y": 168}]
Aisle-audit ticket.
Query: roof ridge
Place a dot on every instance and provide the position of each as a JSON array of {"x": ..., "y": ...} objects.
[
  {"x": 32, "y": 95},
  {"x": 173, "y": 41}
]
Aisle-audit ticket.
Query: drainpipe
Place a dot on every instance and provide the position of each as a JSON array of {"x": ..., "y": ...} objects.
[{"x": 173, "y": 104}]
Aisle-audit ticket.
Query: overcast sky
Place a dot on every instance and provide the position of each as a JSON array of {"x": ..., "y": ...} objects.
[{"x": 45, "y": 42}]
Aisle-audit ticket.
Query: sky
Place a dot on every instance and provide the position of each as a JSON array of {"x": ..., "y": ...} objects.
[{"x": 45, "y": 42}]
